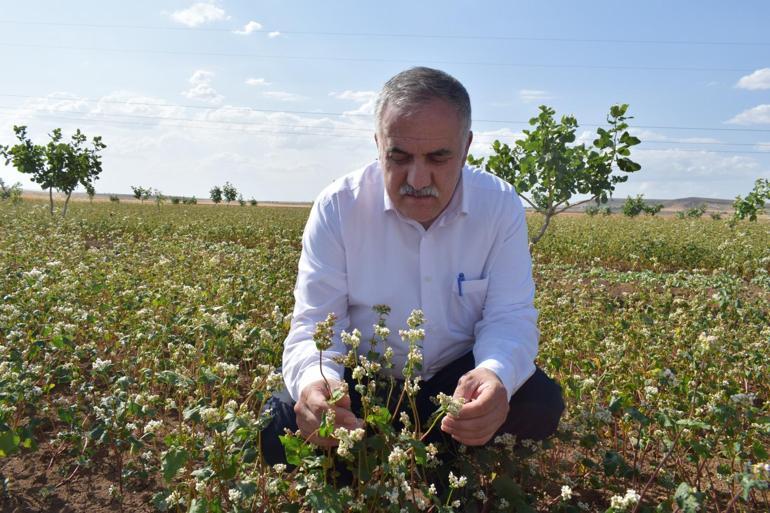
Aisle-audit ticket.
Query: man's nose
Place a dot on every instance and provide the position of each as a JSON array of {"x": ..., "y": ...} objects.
[{"x": 418, "y": 175}]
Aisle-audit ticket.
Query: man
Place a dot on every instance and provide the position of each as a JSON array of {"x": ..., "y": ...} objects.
[{"x": 419, "y": 229}]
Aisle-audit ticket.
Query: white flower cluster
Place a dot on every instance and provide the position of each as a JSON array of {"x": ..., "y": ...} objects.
[
  {"x": 152, "y": 426},
  {"x": 352, "y": 340},
  {"x": 622, "y": 502},
  {"x": 450, "y": 404},
  {"x": 397, "y": 456},
  {"x": 347, "y": 438},
  {"x": 226, "y": 369},
  {"x": 209, "y": 415},
  {"x": 566, "y": 493},
  {"x": 457, "y": 482},
  {"x": 100, "y": 365},
  {"x": 743, "y": 399}
]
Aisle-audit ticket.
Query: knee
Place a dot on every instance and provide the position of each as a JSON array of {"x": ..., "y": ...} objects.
[{"x": 283, "y": 417}]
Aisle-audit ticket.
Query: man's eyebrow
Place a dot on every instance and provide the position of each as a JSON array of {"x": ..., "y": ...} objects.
[
  {"x": 443, "y": 152},
  {"x": 396, "y": 149}
]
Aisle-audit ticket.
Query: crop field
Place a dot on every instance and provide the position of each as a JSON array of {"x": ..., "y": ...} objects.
[{"x": 138, "y": 346}]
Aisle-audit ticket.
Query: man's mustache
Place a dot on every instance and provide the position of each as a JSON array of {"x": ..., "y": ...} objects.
[{"x": 408, "y": 190}]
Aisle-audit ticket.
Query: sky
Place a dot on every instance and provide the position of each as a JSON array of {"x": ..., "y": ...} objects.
[{"x": 276, "y": 96}]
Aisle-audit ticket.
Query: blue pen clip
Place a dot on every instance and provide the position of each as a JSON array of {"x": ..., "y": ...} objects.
[{"x": 460, "y": 280}]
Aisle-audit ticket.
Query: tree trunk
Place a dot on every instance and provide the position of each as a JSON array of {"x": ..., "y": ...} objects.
[
  {"x": 66, "y": 202},
  {"x": 540, "y": 233},
  {"x": 50, "y": 198}
]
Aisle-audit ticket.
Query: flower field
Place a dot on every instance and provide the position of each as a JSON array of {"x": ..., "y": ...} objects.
[{"x": 138, "y": 346}]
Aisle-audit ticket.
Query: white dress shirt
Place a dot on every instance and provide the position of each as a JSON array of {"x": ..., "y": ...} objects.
[{"x": 359, "y": 251}]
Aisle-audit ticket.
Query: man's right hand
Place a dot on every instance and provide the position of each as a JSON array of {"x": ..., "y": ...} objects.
[{"x": 312, "y": 403}]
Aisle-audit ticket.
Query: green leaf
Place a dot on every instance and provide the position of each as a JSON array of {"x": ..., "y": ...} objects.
[
  {"x": 174, "y": 459},
  {"x": 9, "y": 443},
  {"x": 296, "y": 450},
  {"x": 198, "y": 506},
  {"x": 688, "y": 499},
  {"x": 327, "y": 425}
]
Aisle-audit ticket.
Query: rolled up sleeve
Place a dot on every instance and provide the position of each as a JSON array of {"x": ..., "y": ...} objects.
[{"x": 507, "y": 335}]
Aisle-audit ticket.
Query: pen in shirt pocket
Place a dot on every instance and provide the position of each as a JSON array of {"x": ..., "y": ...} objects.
[{"x": 460, "y": 280}]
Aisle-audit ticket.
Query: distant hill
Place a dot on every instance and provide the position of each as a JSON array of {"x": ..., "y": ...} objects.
[{"x": 670, "y": 206}]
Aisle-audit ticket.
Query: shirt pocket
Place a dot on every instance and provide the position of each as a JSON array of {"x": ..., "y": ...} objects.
[{"x": 465, "y": 310}]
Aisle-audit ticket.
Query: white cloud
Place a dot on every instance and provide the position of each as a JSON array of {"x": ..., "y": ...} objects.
[
  {"x": 256, "y": 82},
  {"x": 284, "y": 96},
  {"x": 760, "y": 79},
  {"x": 533, "y": 95},
  {"x": 273, "y": 35},
  {"x": 247, "y": 29},
  {"x": 365, "y": 99},
  {"x": 201, "y": 88},
  {"x": 198, "y": 14},
  {"x": 758, "y": 115}
]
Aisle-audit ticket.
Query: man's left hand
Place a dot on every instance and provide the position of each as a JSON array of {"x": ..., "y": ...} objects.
[{"x": 484, "y": 411}]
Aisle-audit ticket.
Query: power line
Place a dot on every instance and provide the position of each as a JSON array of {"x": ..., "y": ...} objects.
[
  {"x": 400, "y": 35},
  {"x": 368, "y": 59},
  {"x": 346, "y": 114},
  {"x": 255, "y": 129},
  {"x": 368, "y": 131}
]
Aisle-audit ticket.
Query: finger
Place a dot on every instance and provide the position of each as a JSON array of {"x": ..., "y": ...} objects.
[
  {"x": 489, "y": 400},
  {"x": 475, "y": 431},
  {"x": 473, "y": 441},
  {"x": 345, "y": 418}
]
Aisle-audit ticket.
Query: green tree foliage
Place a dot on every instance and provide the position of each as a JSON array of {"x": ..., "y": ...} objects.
[
  {"x": 57, "y": 165},
  {"x": 141, "y": 193},
  {"x": 635, "y": 206},
  {"x": 216, "y": 194},
  {"x": 548, "y": 169},
  {"x": 754, "y": 202},
  {"x": 229, "y": 192},
  {"x": 158, "y": 197},
  {"x": 10, "y": 192}
]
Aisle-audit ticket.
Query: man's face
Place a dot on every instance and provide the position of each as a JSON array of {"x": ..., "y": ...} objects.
[{"x": 422, "y": 153}]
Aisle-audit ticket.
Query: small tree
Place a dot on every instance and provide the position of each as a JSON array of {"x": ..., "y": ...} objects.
[
  {"x": 138, "y": 192},
  {"x": 175, "y": 200},
  {"x": 754, "y": 202},
  {"x": 114, "y": 198},
  {"x": 633, "y": 206},
  {"x": 229, "y": 192},
  {"x": 696, "y": 212},
  {"x": 216, "y": 194},
  {"x": 653, "y": 209},
  {"x": 57, "y": 165},
  {"x": 253, "y": 202},
  {"x": 10, "y": 192},
  {"x": 159, "y": 197},
  {"x": 241, "y": 201},
  {"x": 548, "y": 166}
]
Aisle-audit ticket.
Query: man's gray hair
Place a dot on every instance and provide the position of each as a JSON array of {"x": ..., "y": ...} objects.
[{"x": 417, "y": 86}]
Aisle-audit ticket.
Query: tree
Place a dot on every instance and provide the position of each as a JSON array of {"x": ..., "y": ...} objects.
[
  {"x": 229, "y": 192},
  {"x": 253, "y": 202},
  {"x": 57, "y": 165},
  {"x": 635, "y": 206},
  {"x": 10, "y": 192},
  {"x": 159, "y": 197},
  {"x": 241, "y": 201},
  {"x": 754, "y": 202},
  {"x": 548, "y": 166},
  {"x": 216, "y": 194}
]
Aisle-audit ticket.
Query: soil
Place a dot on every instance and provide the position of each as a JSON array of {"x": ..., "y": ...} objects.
[{"x": 38, "y": 483}]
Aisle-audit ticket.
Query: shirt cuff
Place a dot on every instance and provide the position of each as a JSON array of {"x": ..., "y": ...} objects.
[
  {"x": 499, "y": 369},
  {"x": 313, "y": 373}
]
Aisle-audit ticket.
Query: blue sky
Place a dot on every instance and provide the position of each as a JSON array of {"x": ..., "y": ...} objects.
[{"x": 276, "y": 96}]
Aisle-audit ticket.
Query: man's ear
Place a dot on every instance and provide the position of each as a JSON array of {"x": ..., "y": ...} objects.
[{"x": 468, "y": 145}]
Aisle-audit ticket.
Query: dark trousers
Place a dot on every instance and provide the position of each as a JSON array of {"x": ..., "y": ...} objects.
[{"x": 534, "y": 413}]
